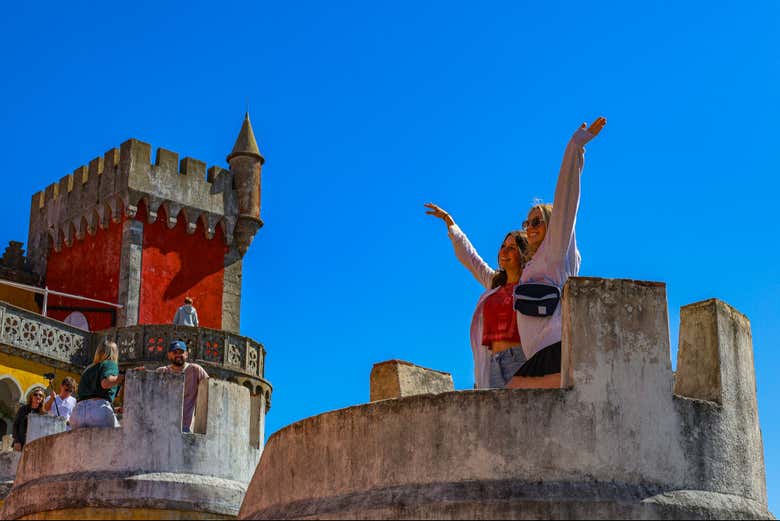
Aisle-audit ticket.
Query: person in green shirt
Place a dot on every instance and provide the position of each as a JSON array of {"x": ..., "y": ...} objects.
[{"x": 98, "y": 387}]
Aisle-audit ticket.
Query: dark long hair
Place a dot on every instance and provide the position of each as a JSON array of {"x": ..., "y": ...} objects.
[{"x": 500, "y": 278}]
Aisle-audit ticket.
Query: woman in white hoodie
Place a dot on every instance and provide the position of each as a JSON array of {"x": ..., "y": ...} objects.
[{"x": 551, "y": 258}]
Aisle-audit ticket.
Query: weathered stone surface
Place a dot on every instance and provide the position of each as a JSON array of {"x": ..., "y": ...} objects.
[
  {"x": 8, "y": 461},
  {"x": 40, "y": 425},
  {"x": 148, "y": 463},
  {"x": 396, "y": 379},
  {"x": 615, "y": 442},
  {"x": 722, "y": 428}
]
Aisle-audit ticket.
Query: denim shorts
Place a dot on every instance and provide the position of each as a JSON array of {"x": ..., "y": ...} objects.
[
  {"x": 93, "y": 413},
  {"x": 504, "y": 365}
]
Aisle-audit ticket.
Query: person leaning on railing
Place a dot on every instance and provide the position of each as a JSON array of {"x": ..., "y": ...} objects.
[{"x": 98, "y": 387}]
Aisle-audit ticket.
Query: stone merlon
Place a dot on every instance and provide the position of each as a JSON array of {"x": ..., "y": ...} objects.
[{"x": 112, "y": 187}]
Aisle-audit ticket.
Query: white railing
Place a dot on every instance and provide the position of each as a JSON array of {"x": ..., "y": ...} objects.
[{"x": 45, "y": 291}]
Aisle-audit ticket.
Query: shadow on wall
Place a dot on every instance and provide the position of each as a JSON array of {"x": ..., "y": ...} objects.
[{"x": 176, "y": 263}]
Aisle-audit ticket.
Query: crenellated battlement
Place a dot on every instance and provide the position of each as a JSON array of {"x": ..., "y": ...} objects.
[
  {"x": 148, "y": 462},
  {"x": 112, "y": 187}
]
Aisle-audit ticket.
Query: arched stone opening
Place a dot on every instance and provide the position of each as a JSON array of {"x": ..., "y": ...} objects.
[{"x": 10, "y": 396}]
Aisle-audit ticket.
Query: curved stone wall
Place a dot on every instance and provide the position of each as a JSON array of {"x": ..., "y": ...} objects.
[
  {"x": 616, "y": 442},
  {"x": 148, "y": 463}
]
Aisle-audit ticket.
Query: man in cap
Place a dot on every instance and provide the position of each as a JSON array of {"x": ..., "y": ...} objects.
[{"x": 193, "y": 375}]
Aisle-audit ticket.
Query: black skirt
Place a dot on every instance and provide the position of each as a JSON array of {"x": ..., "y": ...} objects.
[{"x": 547, "y": 361}]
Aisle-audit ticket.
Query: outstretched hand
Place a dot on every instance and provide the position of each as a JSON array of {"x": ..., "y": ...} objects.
[
  {"x": 438, "y": 212},
  {"x": 596, "y": 126}
]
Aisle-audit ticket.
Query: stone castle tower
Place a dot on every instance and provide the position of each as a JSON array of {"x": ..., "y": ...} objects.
[
  {"x": 138, "y": 236},
  {"x": 144, "y": 234}
]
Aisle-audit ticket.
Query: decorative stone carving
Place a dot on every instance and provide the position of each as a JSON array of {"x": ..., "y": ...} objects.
[{"x": 31, "y": 332}]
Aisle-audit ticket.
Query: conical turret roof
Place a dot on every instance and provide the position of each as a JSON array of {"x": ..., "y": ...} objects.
[{"x": 246, "y": 144}]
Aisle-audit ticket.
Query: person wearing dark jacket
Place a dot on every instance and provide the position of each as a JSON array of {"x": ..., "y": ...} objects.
[{"x": 34, "y": 405}]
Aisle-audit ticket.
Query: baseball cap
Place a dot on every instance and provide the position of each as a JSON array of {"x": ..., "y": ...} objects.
[{"x": 177, "y": 345}]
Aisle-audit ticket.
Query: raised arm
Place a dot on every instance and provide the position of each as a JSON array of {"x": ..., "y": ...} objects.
[
  {"x": 567, "y": 192},
  {"x": 47, "y": 405},
  {"x": 464, "y": 251}
]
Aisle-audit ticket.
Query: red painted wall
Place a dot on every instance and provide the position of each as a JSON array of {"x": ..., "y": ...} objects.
[
  {"x": 90, "y": 268},
  {"x": 176, "y": 264}
]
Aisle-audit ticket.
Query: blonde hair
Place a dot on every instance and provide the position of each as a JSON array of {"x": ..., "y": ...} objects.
[
  {"x": 107, "y": 350},
  {"x": 545, "y": 209}
]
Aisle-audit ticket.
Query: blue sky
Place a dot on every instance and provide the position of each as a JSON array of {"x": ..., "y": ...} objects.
[{"x": 365, "y": 111}]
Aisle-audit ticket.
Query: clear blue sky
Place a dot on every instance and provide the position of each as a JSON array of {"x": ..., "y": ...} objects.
[{"x": 365, "y": 111}]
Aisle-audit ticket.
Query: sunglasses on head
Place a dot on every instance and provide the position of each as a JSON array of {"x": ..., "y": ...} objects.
[{"x": 533, "y": 223}]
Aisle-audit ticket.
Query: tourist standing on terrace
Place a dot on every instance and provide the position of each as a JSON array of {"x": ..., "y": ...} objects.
[
  {"x": 186, "y": 315},
  {"x": 98, "y": 387},
  {"x": 552, "y": 258}
]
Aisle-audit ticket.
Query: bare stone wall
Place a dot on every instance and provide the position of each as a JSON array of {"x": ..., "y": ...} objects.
[{"x": 396, "y": 379}]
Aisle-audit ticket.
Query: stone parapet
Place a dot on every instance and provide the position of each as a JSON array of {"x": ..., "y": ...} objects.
[
  {"x": 40, "y": 425},
  {"x": 614, "y": 442},
  {"x": 148, "y": 465},
  {"x": 225, "y": 355}
]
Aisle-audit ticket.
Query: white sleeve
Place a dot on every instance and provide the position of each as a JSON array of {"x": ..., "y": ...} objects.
[
  {"x": 469, "y": 257},
  {"x": 195, "y": 316},
  {"x": 176, "y": 317},
  {"x": 567, "y": 198}
]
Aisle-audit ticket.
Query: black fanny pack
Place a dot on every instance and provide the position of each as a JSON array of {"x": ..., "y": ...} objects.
[{"x": 537, "y": 300}]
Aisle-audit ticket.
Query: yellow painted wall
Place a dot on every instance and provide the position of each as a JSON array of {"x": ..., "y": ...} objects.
[
  {"x": 29, "y": 373},
  {"x": 19, "y": 297}
]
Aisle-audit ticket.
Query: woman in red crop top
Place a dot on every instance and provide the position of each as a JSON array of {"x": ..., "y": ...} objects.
[{"x": 495, "y": 338}]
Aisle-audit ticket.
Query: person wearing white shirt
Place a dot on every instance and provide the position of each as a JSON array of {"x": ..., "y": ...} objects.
[
  {"x": 553, "y": 257},
  {"x": 62, "y": 404}
]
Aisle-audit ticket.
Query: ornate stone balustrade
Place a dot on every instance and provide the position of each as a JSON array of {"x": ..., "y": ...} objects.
[
  {"x": 225, "y": 355},
  {"x": 43, "y": 339}
]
